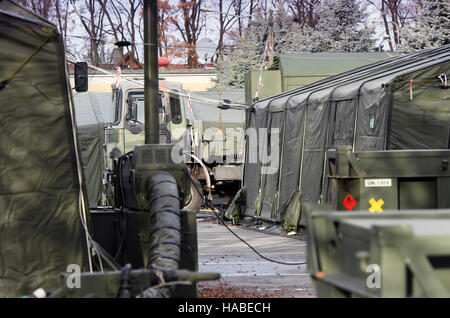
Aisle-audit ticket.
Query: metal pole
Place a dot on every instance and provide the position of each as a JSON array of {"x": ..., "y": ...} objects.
[{"x": 151, "y": 85}]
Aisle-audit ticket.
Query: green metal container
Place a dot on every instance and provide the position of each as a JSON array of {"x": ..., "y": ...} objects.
[{"x": 390, "y": 255}]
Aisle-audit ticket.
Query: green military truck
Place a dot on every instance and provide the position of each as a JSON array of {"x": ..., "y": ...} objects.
[{"x": 110, "y": 125}]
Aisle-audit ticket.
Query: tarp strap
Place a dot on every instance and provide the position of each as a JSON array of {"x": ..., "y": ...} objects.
[{"x": 25, "y": 62}]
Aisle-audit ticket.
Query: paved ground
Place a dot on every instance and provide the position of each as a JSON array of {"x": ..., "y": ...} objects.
[{"x": 244, "y": 273}]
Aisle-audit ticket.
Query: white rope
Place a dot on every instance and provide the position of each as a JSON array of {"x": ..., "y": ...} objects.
[{"x": 189, "y": 94}]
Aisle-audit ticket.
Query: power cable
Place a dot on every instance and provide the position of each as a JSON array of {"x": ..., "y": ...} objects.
[
  {"x": 234, "y": 15},
  {"x": 213, "y": 209},
  {"x": 237, "y": 106}
]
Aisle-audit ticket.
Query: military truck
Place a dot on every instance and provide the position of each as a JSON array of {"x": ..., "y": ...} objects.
[{"x": 206, "y": 142}]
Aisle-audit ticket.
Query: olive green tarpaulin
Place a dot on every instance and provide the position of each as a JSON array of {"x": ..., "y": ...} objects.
[
  {"x": 204, "y": 106},
  {"x": 294, "y": 70},
  {"x": 222, "y": 130},
  {"x": 373, "y": 107},
  {"x": 91, "y": 137},
  {"x": 40, "y": 230}
]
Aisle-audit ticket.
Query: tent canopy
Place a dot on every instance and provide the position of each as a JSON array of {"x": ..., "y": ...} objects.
[
  {"x": 89, "y": 111},
  {"x": 324, "y": 64},
  {"x": 293, "y": 70},
  {"x": 369, "y": 108},
  {"x": 40, "y": 191}
]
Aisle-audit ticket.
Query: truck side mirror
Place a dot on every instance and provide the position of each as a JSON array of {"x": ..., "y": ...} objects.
[
  {"x": 225, "y": 105},
  {"x": 81, "y": 77},
  {"x": 129, "y": 110}
]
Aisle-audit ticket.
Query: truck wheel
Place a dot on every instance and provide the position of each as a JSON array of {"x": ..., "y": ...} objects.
[{"x": 196, "y": 199}]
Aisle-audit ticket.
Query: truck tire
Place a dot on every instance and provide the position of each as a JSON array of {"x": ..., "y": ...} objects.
[{"x": 196, "y": 198}]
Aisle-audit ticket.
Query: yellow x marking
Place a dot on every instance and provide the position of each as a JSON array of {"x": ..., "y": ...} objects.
[{"x": 376, "y": 205}]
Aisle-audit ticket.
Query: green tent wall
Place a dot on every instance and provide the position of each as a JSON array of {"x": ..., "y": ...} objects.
[
  {"x": 368, "y": 108},
  {"x": 40, "y": 192}
]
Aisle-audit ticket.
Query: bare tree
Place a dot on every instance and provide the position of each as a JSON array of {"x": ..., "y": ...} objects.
[
  {"x": 251, "y": 10},
  {"x": 239, "y": 6},
  {"x": 395, "y": 14},
  {"x": 56, "y": 11},
  {"x": 304, "y": 11},
  {"x": 62, "y": 14},
  {"x": 227, "y": 19},
  {"x": 190, "y": 27},
  {"x": 112, "y": 25},
  {"x": 165, "y": 37},
  {"x": 42, "y": 8},
  {"x": 92, "y": 15}
]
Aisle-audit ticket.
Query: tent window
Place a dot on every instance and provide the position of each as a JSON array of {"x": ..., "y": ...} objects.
[
  {"x": 373, "y": 121},
  {"x": 344, "y": 122}
]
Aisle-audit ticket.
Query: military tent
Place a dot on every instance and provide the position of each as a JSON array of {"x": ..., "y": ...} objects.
[
  {"x": 400, "y": 103},
  {"x": 89, "y": 111},
  {"x": 293, "y": 70},
  {"x": 41, "y": 195}
]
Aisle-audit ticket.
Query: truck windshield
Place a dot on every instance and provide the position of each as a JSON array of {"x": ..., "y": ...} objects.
[
  {"x": 137, "y": 111},
  {"x": 175, "y": 109}
]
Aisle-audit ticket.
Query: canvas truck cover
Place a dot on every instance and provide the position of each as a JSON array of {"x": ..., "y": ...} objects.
[
  {"x": 217, "y": 125},
  {"x": 40, "y": 230},
  {"x": 204, "y": 106},
  {"x": 400, "y": 103},
  {"x": 90, "y": 109}
]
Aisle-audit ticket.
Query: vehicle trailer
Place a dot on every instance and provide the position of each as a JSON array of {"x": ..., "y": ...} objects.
[
  {"x": 394, "y": 254},
  {"x": 389, "y": 233}
]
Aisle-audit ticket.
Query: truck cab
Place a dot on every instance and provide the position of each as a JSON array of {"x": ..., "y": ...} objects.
[
  {"x": 127, "y": 130},
  {"x": 203, "y": 140}
]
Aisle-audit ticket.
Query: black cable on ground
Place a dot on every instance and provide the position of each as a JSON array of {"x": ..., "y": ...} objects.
[{"x": 213, "y": 209}]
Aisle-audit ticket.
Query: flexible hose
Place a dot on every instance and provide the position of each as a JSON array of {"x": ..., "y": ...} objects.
[{"x": 165, "y": 227}]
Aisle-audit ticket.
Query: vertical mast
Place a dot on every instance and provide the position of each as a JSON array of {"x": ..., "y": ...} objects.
[{"x": 151, "y": 84}]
